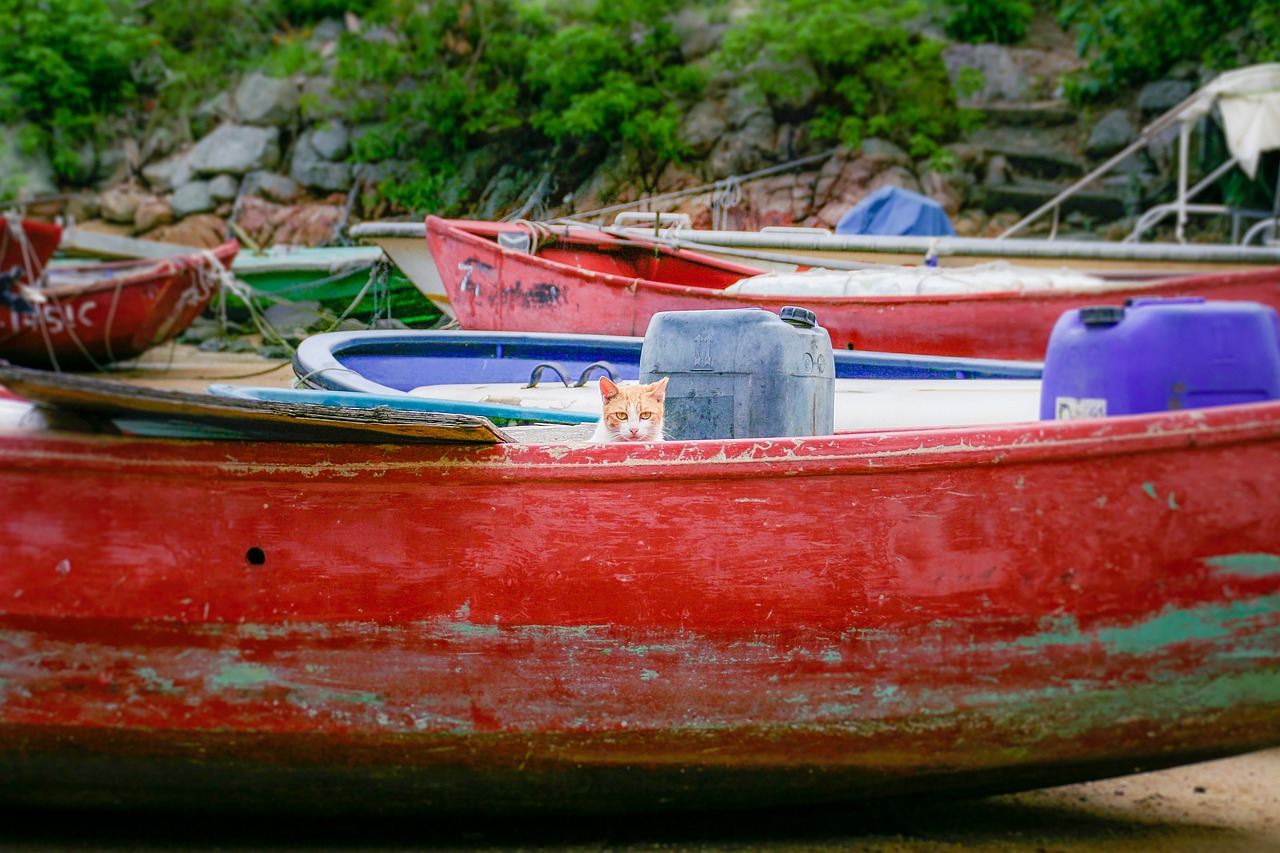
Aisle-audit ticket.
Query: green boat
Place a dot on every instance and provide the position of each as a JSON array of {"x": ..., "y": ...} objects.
[{"x": 352, "y": 281}]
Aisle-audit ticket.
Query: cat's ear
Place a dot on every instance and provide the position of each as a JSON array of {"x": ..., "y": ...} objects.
[
  {"x": 608, "y": 390},
  {"x": 659, "y": 389}
]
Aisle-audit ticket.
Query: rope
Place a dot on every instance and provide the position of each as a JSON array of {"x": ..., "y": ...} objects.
[
  {"x": 728, "y": 195},
  {"x": 750, "y": 176},
  {"x": 300, "y": 381}
]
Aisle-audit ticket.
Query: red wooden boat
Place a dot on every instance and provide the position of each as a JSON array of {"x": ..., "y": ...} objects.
[
  {"x": 87, "y": 315},
  {"x": 28, "y": 245},
  {"x": 390, "y": 627},
  {"x": 579, "y": 280}
]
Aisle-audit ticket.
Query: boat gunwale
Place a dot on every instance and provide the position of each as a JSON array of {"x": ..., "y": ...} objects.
[
  {"x": 1113, "y": 290},
  {"x": 844, "y": 454},
  {"x": 137, "y": 273}
]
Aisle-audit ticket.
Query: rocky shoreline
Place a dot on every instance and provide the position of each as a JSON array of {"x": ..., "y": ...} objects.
[{"x": 269, "y": 162}]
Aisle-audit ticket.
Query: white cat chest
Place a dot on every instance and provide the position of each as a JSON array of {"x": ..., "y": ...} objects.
[{"x": 742, "y": 373}]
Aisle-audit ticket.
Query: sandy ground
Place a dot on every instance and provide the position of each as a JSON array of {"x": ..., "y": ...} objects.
[
  {"x": 1227, "y": 806},
  {"x": 180, "y": 367}
]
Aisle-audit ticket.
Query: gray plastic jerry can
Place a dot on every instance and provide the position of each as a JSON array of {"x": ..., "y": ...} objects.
[{"x": 742, "y": 373}]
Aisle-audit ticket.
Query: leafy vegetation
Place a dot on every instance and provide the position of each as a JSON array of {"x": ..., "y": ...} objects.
[
  {"x": 556, "y": 84},
  {"x": 61, "y": 64},
  {"x": 1130, "y": 42},
  {"x": 518, "y": 94},
  {"x": 1000, "y": 21},
  {"x": 873, "y": 77}
]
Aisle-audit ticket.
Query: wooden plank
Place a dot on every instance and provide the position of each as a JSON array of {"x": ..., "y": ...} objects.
[
  {"x": 97, "y": 244},
  {"x": 148, "y": 411}
]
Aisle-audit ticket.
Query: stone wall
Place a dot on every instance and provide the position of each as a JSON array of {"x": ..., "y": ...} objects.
[{"x": 267, "y": 162}]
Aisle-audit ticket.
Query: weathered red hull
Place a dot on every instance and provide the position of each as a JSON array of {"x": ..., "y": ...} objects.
[
  {"x": 688, "y": 624},
  {"x": 588, "y": 283},
  {"x": 31, "y": 249},
  {"x": 100, "y": 313}
]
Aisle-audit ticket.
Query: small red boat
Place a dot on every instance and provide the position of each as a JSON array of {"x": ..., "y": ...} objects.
[
  {"x": 88, "y": 315},
  {"x": 26, "y": 245},
  {"x": 382, "y": 626},
  {"x": 511, "y": 277}
]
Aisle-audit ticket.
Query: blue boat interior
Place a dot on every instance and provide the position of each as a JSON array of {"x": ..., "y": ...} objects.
[{"x": 404, "y": 362}]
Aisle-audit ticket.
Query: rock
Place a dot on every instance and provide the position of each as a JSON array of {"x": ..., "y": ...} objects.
[
  {"x": 989, "y": 67},
  {"x": 295, "y": 320},
  {"x": 312, "y": 225},
  {"x": 881, "y": 154},
  {"x": 698, "y": 36},
  {"x": 170, "y": 173},
  {"x": 112, "y": 168},
  {"x": 224, "y": 188},
  {"x": 204, "y": 231},
  {"x": 372, "y": 174},
  {"x": 842, "y": 176},
  {"x": 778, "y": 200},
  {"x": 311, "y": 169},
  {"x": 119, "y": 204},
  {"x": 748, "y": 148},
  {"x": 192, "y": 198},
  {"x": 201, "y": 330},
  {"x": 274, "y": 187},
  {"x": 896, "y": 176},
  {"x": 237, "y": 150},
  {"x": 1163, "y": 95},
  {"x": 998, "y": 171},
  {"x": 152, "y": 212},
  {"x": 82, "y": 207},
  {"x": 160, "y": 143},
  {"x": 263, "y": 100},
  {"x": 1111, "y": 134},
  {"x": 703, "y": 125},
  {"x": 948, "y": 189},
  {"x": 331, "y": 140},
  {"x": 213, "y": 112}
]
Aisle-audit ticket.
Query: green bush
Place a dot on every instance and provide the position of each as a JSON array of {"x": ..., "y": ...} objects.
[
  {"x": 1001, "y": 21},
  {"x": 549, "y": 87},
  {"x": 63, "y": 64},
  {"x": 1130, "y": 42},
  {"x": 874, "y": 76}
]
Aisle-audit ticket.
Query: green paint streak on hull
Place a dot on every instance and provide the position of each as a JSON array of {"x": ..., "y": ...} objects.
[
  {"x": 1257, "y": 565},
  {"x": 241, "y": 676},
  {"x": 1200, "y": 624}
]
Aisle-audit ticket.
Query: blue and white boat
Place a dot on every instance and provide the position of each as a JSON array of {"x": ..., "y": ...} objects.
[{"x": 553, "y": 378}]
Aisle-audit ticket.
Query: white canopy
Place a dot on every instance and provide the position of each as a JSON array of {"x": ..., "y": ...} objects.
[{"x": 1248, "y": 101}]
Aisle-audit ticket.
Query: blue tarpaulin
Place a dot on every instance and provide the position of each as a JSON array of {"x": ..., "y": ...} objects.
[{"x": 895, "y": 211}]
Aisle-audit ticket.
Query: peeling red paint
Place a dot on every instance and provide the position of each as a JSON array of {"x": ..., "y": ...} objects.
[{"x": 421, "y": 627}]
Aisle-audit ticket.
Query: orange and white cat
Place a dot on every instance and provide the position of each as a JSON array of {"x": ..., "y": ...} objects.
[{"x": 631, "y": 412}]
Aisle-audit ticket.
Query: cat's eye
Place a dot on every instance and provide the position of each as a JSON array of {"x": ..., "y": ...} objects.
[
  {"x": 644, "y": 416},
  {"x": 622, "y": 416}
]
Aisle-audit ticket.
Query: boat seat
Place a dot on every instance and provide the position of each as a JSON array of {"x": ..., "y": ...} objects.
[{"x": 550, "y": 433}]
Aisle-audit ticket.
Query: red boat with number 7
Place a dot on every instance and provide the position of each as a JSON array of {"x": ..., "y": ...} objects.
[
  {"x": 463, "y": 618},
  {"x": 85, "y": 316},
  {"x": 534, "y": 277}
]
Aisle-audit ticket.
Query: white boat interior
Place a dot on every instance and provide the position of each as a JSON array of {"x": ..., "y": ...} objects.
[{"x": 860, "y": 404}]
